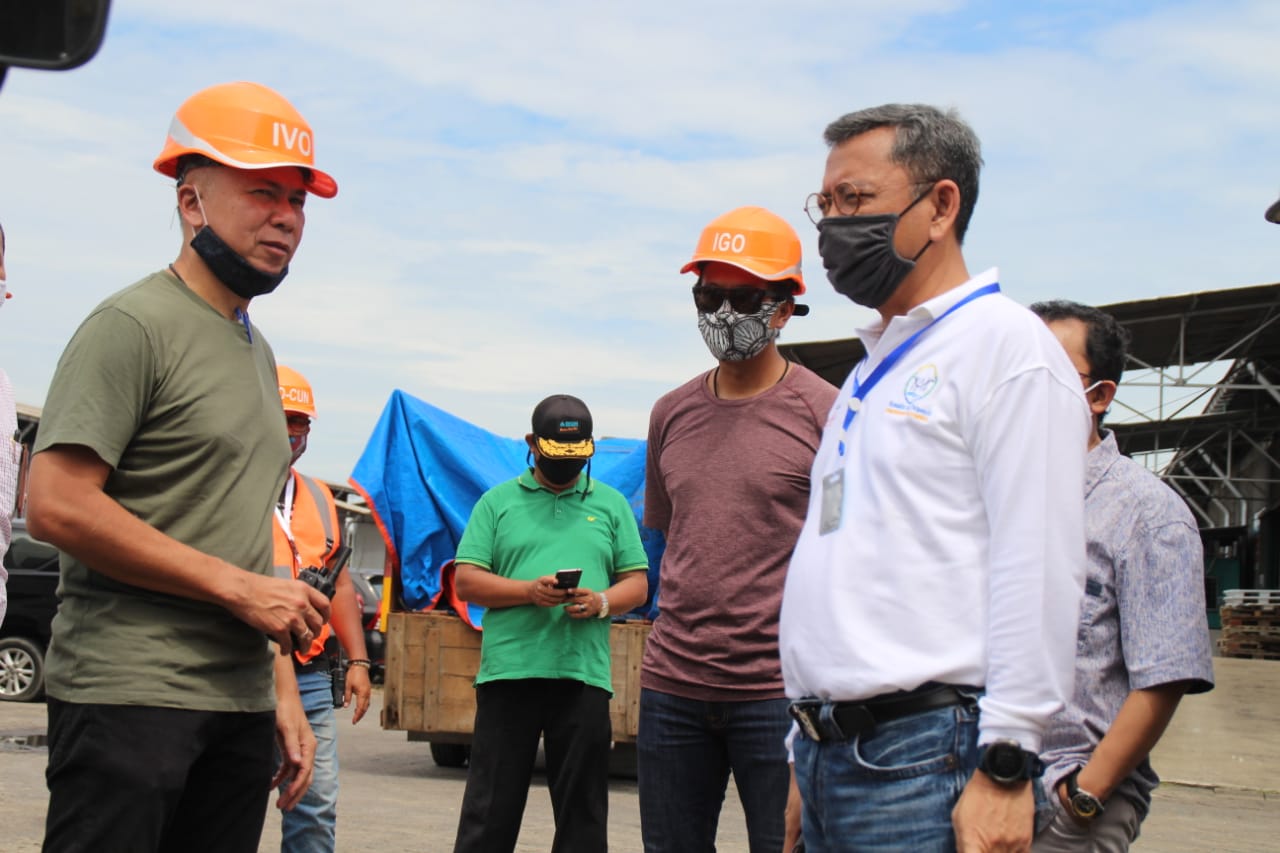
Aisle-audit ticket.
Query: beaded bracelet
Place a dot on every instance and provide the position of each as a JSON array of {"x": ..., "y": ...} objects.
[{"x": 364, "y": 662}]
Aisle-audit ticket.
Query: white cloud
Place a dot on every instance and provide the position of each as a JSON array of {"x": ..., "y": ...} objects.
[{"x": 521, "y": 182}]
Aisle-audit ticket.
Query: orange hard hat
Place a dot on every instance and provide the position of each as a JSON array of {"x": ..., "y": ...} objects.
[
  {"x": 245, "y": 126},
  {"x": 295, "y": 392},
  {"x": 752, "y": 239}
]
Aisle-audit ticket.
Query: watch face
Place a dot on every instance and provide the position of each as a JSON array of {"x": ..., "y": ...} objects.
[
  {"x": 1005, "y": 762},
  {"x": 1084, "y": 805}
]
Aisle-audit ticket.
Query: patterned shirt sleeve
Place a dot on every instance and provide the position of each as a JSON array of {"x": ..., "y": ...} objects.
[{"x": 1160, "y": 594}]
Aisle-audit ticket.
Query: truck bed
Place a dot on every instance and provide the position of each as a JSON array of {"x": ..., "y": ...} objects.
[{"x": 432, "y": 660}]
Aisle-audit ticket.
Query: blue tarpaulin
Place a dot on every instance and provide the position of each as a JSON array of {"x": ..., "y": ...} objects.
[{"x": 423, "y": 470}]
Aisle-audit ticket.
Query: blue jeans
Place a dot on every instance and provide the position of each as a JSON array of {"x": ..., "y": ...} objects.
[
  {"x": 311, "y": 827},
  {"x": 892, "y": 789},
  {"x": 685, "y": 750}
]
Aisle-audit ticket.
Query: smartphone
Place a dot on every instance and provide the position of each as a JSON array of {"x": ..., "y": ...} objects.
[{"x": 568, "y": 578}]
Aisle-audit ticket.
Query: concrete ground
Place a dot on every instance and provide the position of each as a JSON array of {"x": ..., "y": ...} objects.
[{"x": 1220, "y": 761}]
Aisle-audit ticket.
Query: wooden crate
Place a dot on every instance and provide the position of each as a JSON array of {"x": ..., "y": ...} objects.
[
  {"x": 1245, "y": 597},
  {"x": 432, "y": 659},
  {"x": 1251, "y": 614},
  {"x": 1237, "y": 649}
]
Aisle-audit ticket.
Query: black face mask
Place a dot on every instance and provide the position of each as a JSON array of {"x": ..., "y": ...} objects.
[
  {"x": 558, "y": 472},
  {"x": 859, "y": 256},
  {"x": 241, "y": 277}
]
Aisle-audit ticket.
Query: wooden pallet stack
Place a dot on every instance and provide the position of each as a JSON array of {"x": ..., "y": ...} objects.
[{"x": 1250, "y": 624}]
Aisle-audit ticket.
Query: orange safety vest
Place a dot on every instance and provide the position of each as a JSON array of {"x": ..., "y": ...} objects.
[{"x": 313, "y": 520}]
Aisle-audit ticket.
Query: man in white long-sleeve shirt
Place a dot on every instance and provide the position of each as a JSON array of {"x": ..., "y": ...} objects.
[{"x": 929, "y": 615}]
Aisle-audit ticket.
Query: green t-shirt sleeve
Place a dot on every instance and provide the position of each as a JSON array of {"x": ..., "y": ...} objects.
[
  {"x": 628, "y": 551},
  {"x": 476, "y": 545},
  {"x": 101, "y": 388}
]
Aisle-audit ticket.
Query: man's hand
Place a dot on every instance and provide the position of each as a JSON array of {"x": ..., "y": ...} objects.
[
  {"x": 543, "y": 592},
  {"x": 287, "y": 611},
  {"x": 67, "y": 507},
  {"x": 990, "y": 818},
  {"x": 294, "y": 737},
  {"x": 1063, "y": 798},
  {"x": 358, "y": 685},
  {"x": 792, "y": 820}
]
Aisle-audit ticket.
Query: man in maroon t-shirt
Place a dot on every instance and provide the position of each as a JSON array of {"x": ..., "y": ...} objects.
[{"x": 727, "y": 481}]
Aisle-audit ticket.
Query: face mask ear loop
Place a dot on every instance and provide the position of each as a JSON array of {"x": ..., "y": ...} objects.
[
  {"x": 1106, "y": 411},
  {"x": 919, "y": 198},
  {"x": 200, "y": 204},
  {"x": 586, "y": 488},
  {"x": 528, "y": 459}
]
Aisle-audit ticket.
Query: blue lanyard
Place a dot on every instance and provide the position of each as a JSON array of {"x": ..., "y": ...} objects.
[{"x": 862, "y": 389}]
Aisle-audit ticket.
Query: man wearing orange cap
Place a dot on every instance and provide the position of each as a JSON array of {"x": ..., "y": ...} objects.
[
  {"x": 306, "y": 534},
  {"x": 159, "y": 460},
  {"x": 727, "y": 481}
]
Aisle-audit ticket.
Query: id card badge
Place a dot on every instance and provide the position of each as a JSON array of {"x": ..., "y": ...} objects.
[{"x": 832, "y": 502}]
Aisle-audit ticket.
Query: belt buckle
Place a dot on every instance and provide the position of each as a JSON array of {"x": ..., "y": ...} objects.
[
  {"x": 801, "y": 711},
  {"x": 853, "y": 720}
]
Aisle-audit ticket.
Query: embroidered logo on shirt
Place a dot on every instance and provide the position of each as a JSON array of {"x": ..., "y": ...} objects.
[
  {"x": 920, "y": 384},
  {"x": 591, "y": 518}
]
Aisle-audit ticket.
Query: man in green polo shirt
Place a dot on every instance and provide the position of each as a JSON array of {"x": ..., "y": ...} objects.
[{"x": 544, "y": 658}]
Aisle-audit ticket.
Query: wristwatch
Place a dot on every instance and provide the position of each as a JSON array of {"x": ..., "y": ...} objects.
[
  {"x": 1082, "y": 804},
  {"x": 1007, "y": 763}
]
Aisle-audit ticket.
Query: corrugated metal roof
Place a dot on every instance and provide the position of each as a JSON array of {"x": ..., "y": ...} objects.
[{"x": 1239, "y": 326}]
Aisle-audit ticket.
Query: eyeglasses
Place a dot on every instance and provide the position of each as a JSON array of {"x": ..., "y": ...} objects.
[
  {"x": 743, "y": 300},
  {"x": 298, "y": 423},
  {"x": 844, "y": 200}
]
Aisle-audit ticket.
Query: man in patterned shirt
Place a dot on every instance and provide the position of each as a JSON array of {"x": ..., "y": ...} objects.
[
  {"x": 1143, "y": 640},
  {"x": 9, "y": 453}
]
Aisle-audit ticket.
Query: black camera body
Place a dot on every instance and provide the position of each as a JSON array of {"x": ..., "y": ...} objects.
[{"x": 321, "y": 580}]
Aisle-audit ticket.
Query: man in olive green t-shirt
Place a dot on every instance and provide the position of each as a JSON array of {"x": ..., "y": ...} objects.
[
  {"x": 544, "y": 656},
  {"x": 159, "y": 458}
]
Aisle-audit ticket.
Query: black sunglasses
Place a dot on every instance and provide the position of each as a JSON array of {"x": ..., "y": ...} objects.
[{"x": 708, "y": 298}]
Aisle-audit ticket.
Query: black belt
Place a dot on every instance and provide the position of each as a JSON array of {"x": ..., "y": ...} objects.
[{"x": 825, "y": 721}]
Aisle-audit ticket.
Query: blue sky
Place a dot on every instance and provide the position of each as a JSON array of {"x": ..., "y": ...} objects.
[{"x": 520, "y": 183}]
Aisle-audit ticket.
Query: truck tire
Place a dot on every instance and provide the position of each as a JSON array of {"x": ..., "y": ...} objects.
[
  {"x": 21, "y": 670},
  {"x": 451, "y": 754}
]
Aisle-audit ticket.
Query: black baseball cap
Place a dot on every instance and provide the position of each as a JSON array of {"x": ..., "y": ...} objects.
[{"x": 562, "y": 426}]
